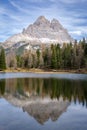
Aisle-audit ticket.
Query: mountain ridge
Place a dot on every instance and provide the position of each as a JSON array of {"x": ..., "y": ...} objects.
[{"x": 42, "y": 31}]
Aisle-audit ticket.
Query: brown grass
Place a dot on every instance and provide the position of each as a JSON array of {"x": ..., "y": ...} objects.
[{"x": 34, "y": 70}]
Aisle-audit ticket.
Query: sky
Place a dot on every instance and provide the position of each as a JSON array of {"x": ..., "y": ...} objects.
[{"x": 18, "y": 14}]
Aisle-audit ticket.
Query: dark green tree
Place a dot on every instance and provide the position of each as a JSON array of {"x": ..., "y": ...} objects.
[
  {"x": 46, "y": 58},
  {"x": 2, "y": 60},
  {"x": 53, "y": 57},
  {"x": 85, "y": 54},
  {"x": 38, "y": 57},
  {"x": 67, "y": 56},
  {"x": 59, "y": 56},
  {"x": 19, "y": 61}
]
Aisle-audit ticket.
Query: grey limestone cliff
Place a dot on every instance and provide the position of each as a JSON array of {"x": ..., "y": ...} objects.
[{"x": 42, "y": 31}]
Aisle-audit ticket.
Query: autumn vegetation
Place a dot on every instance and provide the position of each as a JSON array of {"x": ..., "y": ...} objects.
[{"x": 65, "y": 57}]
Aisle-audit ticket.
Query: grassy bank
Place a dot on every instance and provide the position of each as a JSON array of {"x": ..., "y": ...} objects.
[{"x": 34, "y": 70}]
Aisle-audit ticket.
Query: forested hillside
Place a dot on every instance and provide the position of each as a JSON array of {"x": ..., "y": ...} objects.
[{"x": 68, "y": 56}]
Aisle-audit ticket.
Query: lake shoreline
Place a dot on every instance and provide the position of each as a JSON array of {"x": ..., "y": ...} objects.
[{"x": 43, "y": 71}]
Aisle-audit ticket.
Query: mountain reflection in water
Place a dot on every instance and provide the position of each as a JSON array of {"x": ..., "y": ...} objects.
[{"x": 43, "y": 98}]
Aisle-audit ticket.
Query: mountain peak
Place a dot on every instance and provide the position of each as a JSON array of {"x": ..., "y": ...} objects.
[
  {"x": 55, "y": 24},
  {"x": 41, "y": 20},
  {"x": 41, "y": 31},
  {"x": 54, "y": 21}
]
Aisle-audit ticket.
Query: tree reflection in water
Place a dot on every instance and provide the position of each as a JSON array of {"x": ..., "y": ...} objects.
[
  {"x": 43, "y": 99},
  {"x": 75, "y": 90}
]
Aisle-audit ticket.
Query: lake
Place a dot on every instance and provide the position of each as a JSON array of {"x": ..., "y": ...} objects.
[{"x": 31, "y": 101}]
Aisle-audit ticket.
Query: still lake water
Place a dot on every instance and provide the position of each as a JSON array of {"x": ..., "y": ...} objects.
[{"x": 31, "y": 101}]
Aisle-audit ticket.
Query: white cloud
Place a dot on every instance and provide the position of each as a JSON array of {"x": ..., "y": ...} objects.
[
  {"x": 72, "y": 1},
  {"x": 18, "y": 7},
  {"x": 25, "y": 14},
  {"x": 79, "y": 33}
]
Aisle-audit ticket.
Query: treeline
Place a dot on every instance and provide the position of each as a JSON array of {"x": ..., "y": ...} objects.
[{"x": 67, "y": 56}]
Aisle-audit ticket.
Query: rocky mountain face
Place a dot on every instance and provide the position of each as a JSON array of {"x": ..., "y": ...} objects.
[
  {"x": 42, "y": 31},
  {"x": 53, "y": 30}
]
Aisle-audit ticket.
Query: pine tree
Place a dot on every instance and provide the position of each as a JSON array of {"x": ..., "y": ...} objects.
[
  {"x": 67, "y": 56},
  {"x": 85, "y": 54},
  {"x": 2, "y": 60},
  {"x": 46, "y": 57},
  {"x": 38, "y": 57},
  {"x": 59, "y": 56},
  {"x": 53, "y": 57}
]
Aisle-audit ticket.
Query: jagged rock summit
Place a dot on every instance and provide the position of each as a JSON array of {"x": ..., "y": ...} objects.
[
  {"x": 42, "y": 28},
  {"x": 42, "y": 31}
]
